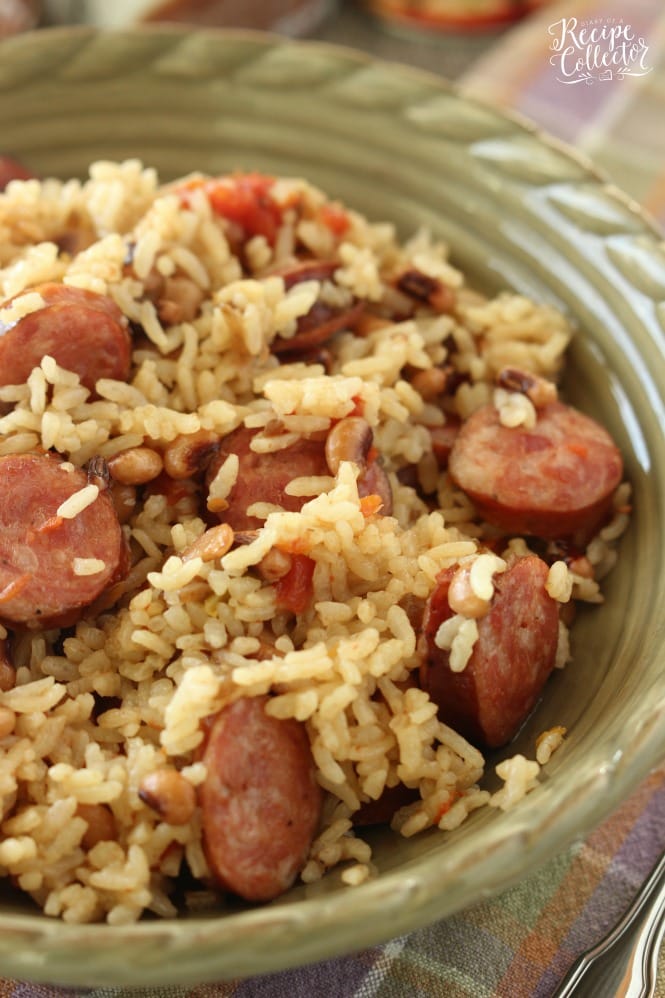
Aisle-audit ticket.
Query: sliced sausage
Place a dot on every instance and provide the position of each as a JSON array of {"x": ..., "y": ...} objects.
[
  {"x": 511, "y": 659},
  {"x": 85, "y": 332},
  {"x": 43, "y": 553},
  {"x": 553, "y": 481},
  {"x": 264, "y": 477},
  {"x": 260, "y": 801},
  {"x": 12, "y": 169}
]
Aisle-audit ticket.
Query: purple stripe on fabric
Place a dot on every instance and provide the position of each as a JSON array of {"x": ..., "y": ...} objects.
[
  {"x": 629, "y": 866},
  {"x": 330, "y": 977}
]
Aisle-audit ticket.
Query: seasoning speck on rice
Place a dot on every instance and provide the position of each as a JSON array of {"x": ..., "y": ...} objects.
[{"x": 314, "y": 531}]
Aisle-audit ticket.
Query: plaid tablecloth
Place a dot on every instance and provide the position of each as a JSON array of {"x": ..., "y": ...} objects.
[
  {"x": 521, "y": 943},
  {"x": 518, "y": 945}
]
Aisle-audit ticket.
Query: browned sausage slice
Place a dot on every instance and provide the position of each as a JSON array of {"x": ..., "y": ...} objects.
[
  {"x": 260, "y": 802},
  {"x": 553, "y": 481},
  {"x": 511, "y": 658},
  {"x": 42, "y": 554},
  {"x": 85, "y": 332},
  {"x": 264, "y": 477}
]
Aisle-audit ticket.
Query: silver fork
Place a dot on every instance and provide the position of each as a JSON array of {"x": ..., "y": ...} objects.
[{"x": 625, "y": 963}]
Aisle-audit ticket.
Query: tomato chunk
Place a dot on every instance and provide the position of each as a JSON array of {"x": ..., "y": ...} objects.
[
  {"x": 245, "y": 199},
  {"x": 294, "y": 590}
]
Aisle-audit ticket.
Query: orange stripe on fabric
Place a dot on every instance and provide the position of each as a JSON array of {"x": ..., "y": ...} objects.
[
  {"x": 512, "y": 921},
  {"x": 586, "y": 871}
]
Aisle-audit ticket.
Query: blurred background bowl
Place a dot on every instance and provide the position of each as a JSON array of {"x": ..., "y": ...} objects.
[
  {"x": 518, "y": 210},
  {"x": 291, "y": 17}
]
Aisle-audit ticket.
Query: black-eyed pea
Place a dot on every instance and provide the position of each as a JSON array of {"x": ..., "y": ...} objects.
[
  {"x": 472, "y": 585},
  {"x": 540, "y": 391},
  {"x": 244, "y": 536},
  {"x": 101, "y": 824},
  {"x": 190, "y": 453},
  {"x": 430, "y": 382},
  {"x": 274, "y": 565},
  {"x": 461, "y": 597},
  {"x": 349, "y": 440},
  {"x": 423, "y": 287},
  {"x": 180, "y": 301},
  {"x": 213, "y": 543},
  {"x": 169, "y": 794},
  {"x": 135, "y": 466},
  {"x": 124, "y": 500}
]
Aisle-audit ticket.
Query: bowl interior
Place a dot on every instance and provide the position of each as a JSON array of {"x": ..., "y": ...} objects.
[{"x": 518, "y": 211}]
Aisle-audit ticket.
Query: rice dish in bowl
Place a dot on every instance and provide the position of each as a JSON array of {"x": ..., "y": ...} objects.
[
  {"x": 179, "y": 275},
  {"x": 287, "y": 532}
]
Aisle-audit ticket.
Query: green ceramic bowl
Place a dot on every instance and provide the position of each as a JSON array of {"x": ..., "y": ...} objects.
[{"x": 518, "y": 210}]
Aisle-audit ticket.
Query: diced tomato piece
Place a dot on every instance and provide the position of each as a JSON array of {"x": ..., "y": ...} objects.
[
  {"x": 294, "y": 590},
  {"x": 444, "y": 808},
  {"x": 335, "y": 218},
  {"x": 245, "y": 199},
  {"x": 358, "y": 406},
  {"x": 298, "y": 545}
]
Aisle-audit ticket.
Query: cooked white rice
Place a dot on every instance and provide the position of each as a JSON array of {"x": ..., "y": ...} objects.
[{"x": 99, "y": 707}]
